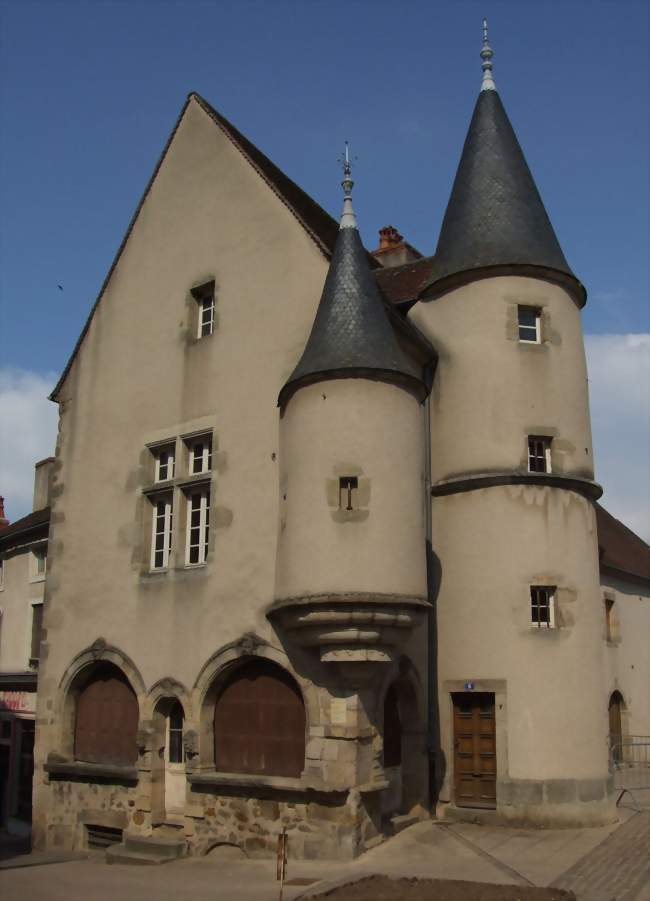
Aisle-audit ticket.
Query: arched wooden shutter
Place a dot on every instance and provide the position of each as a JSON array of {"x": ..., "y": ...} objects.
[
  {"x": 392, "y": 729},
  {"x": 107, "y": 720},
  {"x": 259, "y": 723}
]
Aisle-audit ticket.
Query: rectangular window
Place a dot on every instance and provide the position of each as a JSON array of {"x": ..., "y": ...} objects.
[
  {"x": 165, "y": 463},
  {"x": 539, "y": 453},
  {"x": 200, "y": 454},
  {"x": 198, "y": 527},
  {"x": 542, "y": 606},
  {"x": 37, "y": 630},
  {"x": 348, "y": 492},
  {"x": 206, "y": 315},
  {"x": 529, "y": 324},
  {"x": 2, "y": 573},
  {"x": 161, "y": 537},
  {"x": 39, "y": 563}
]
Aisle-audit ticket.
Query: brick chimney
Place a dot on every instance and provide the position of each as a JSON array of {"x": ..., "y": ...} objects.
[
  {"x": 4, "y": 522},
  {"x": 393, "y": 250}
]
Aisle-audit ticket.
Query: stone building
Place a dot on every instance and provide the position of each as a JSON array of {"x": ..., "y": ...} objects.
[
  {"x": 23, "y": 564},
  {"x": 323, "y": 537}
]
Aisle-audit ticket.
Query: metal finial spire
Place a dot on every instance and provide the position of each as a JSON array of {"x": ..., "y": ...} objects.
[
  {"x": 348, "y": 219},
  {"x": 486, "y": 55}
]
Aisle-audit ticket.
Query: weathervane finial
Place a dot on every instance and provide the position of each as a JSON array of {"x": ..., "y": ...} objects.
[
  {"x": 348, "y": 219},
  {"x": 486, "y": 55}
]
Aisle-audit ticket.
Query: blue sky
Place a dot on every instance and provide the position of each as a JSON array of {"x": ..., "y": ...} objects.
[{"x": 90, "y": 91}]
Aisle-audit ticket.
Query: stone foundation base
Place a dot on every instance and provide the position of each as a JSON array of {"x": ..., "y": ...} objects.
[{"x": 544, "y": 804}]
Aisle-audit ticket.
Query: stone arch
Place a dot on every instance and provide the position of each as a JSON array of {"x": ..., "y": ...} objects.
[
  {"x": 403, "y": 732},
  {"x": 219, "y": 668},
  {"x": 75, "y": 678}
]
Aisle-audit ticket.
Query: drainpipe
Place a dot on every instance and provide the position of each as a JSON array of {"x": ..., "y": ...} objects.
[{"x": 433, "y": 731}]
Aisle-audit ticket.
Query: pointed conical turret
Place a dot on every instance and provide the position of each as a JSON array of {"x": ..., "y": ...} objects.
[
  {"x": 352, "y": 336},
  {"x": 495, "y": 216}
]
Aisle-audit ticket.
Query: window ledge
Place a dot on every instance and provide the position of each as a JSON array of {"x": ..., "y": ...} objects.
[
  {"x": 197, "y": 478},
  {"x": 251, "y": 780},
  {"x": 159, "y": 487},
  {"x": 91, "y": 772}
]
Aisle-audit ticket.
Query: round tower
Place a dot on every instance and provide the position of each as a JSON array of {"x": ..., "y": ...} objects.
[
  {"x": 521, "y": 700},
  {"x": 351, "y": 570}
]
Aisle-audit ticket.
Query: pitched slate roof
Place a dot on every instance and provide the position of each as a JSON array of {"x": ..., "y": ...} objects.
[
  {"x": 495, "y": 217},
  {"x": 33, "y": 526},
  {"x": 320, "y": 226},
  {"x": 352, "y": 336},
  {"x": 621, "y": 549}
]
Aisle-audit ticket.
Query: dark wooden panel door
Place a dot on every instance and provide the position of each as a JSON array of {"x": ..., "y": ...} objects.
[
  {"x": 475, "y": 759},
  {"x": 107, "y": 720},
  {"x": 259, "y": 723}
]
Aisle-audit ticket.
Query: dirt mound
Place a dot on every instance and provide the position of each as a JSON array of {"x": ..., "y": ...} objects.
[{"x": 381, "y": 888}]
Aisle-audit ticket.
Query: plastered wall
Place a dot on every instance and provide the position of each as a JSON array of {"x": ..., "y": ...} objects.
[
  {"x": 491, "y": 391},
  {"x": 374, "y": 432}
]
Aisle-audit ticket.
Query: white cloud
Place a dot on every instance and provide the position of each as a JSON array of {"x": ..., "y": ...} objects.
[
  {"x": 619, "y": 391},
  {"x": 28, "y": 424}
]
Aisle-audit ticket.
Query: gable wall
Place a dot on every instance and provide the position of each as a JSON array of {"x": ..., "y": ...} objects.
[{"x": 139, "y": 376}]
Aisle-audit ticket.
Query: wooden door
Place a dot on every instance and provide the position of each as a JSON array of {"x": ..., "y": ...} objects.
[
  {"x": 107, "y": 720},
  {"x": 475, "y": 759}
]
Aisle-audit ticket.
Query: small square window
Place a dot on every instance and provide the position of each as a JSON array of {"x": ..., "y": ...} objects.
[
  {"x": 198, "y": 527},
  {"x": 529, "y": 319},
  {"x": 165, "y": 463},
  {"x": 542, "y": 606},
  {"x": 348, "y": 486},
  {"x": 539, "y": 453},
  {"x": 161, "y": 531},
  {"x": 200, "y": 454}
]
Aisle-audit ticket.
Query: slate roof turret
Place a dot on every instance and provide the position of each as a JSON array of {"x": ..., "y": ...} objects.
[
  {"x": 495, "y": 220},
  {"x": 352, "y": 336}
]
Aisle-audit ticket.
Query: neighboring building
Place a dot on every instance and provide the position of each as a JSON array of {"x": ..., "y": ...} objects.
[
  {"x": 323, "y": 534},
  {"x": 23, "y": 563}
]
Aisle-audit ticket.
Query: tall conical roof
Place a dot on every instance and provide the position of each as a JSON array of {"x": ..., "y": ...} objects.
[
  {"x": 495, "y": 216},
  {"x": 352, "y": 336}
]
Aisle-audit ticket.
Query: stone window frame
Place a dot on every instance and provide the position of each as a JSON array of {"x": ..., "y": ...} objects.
[
  {"x": 179, "y": 489},
  {"x": 38, "y": 552},
  {"x": 166, "y": 498},
  {"x": 61, "y": 756}
]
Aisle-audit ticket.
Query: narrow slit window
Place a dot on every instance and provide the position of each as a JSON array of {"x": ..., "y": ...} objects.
[
  {"x": 529, "y": 324},
  {"x": 201, "y": 455},
  {"x": 176, "y": 753},
  {"x": 161, "y": 539},
  {"x": 609, "y": 619},
  {"x": 542, "y": 606},
  {"x": 348, "y": 486},
  {"x": 198, "y": 527},
  {"x": 37, "y": 631},
  {"x": 40, "y": 562},
  {"x": 539, "y": 453}
]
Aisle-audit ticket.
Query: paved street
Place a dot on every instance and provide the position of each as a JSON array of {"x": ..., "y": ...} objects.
[{"x": 598, "y": 864}]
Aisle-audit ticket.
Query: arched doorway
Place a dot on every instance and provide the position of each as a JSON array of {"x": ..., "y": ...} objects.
[
  {"x": 169, "y": 779},
  {"x": 616, "y": 707},
  {"x": 106, "y": 717},
  {"x": 259, "y": 722},
  {"x": 403, "y": 759}
]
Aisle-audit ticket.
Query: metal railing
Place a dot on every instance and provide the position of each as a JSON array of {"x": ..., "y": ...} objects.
[{"x": 629, "y": 762}]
